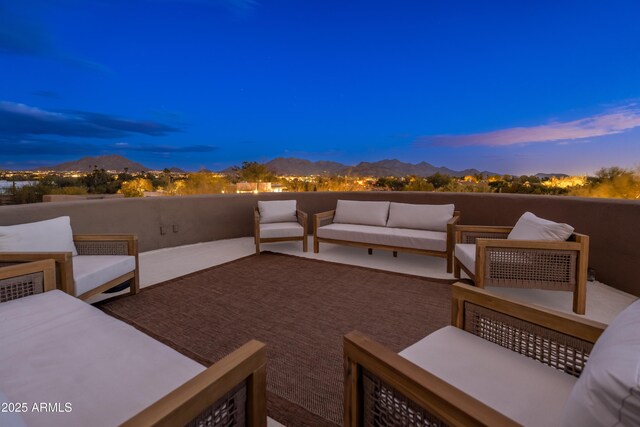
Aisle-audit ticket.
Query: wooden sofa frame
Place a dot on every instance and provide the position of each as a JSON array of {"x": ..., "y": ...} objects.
[
  {"x": 86, "y": 244},
  {"x": 417, "y": 393},
  {"x": 325, "y": 218},
  {"x": 494, "y": 238},
  {"x": 208, "y": 393},
  {"x": 302, "y": 220}
]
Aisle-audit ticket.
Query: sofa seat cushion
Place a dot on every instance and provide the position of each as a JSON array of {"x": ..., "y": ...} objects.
[
  {"x": 466, "y": 254},
  {"x": 277, "y": 211},
  {"x": 56, "y": 348},
  {"x": 397, "y": 237},
  {"x": 363, "y": 213},
  {"x": 91, "y": 271},
  {"x": 281, "y": 229},
  {"x": 52, "y": 235},
  {"x": 608, "y": 390},
  {"x": 421, "y": 217},
  {"x": 521, "y": 388}
]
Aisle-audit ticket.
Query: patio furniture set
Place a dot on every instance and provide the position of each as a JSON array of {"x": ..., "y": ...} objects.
[{"x": 471, "y": 373}]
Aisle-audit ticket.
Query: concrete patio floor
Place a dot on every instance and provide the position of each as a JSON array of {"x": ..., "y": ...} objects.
[{"x": 603, "y": 302}]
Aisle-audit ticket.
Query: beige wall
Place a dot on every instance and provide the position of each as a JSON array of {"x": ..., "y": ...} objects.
[{"x": 611, "y": 224}]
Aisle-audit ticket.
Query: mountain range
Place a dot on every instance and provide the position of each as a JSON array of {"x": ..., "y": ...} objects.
[
  {"x": 300, "y": 167},
  {"x": 293, "y": 166}
]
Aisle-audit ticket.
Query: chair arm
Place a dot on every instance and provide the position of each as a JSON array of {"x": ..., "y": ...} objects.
[
  {"x": 528, "y": 244},
  {"x": 215, "y": 392},
  {"x": 303, "y": 218},
  {"x": 560, "y": 340},
  {"x": 29, "y": 278},
  {"x": 407, "y": 388},
  {"x": 469, "y": 233},
  {"x": 323, "y": 218},
  {"x": 106, "y": 244},
  {"x": 63, "y": 260}
]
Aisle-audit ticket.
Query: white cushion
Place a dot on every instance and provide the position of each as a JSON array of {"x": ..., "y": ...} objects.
[
  {"x": 608, "y": 390},
  {"x": 521, "y": 388},
  {"x": 422, "y": 217},
  {"x": 91, "y": 271},
  {"x": 56, "y": 348},
  {"x": 398, "y": 237},
  {"x": 363, "y": 213},
  {"x": 281, "y": 229},
  {"x": 466, "y": 254},
  {"x": 277, "y": 211},
  {"x": 52, "y": 235},
  {"x": 530, "y": 227}
]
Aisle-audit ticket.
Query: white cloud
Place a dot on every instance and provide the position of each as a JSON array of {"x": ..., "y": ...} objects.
[{"x": 613, "y": 121}]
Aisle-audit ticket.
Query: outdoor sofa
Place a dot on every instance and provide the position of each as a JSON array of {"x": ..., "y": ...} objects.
[
  {"x": 65, "y": 363},
  {"x": 418, "y": 228},
  {"x": 501, "y": 363}
]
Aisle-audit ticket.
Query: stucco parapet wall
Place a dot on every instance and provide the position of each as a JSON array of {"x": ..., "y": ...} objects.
[{"x": 163, "y": 222}]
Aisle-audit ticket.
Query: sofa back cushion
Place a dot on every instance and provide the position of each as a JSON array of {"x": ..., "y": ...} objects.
[
  {"x": 52, "y": 235},
  {"x": 363, "y": 213},
  {"x": 277, "y": 211},
  {"x": 608, "y": 390},
  {"x": 420, "y": 217},
  {"x": 531, "y": 227}
]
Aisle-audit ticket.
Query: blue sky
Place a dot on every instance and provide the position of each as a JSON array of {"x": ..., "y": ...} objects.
[{"x": 507, "y": 86}]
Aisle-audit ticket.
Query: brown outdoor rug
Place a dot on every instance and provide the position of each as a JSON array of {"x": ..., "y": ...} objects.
[{"x": 301, "y": 309}]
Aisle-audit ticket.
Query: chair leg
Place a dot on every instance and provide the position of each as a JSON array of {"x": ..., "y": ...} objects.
[
  {"x": 370, "y": 251},
  {"x": 304, "y": 244},
  {"x": 456, "y": 268},
  {"x": 449, "y": 264},
  {"x": 316, "y": 244},
  {"x": 395, "y": 254}
]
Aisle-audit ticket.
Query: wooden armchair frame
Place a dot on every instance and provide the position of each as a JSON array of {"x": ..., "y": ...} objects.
[
  {"x": 418, "y": 393},
  {"x": 28, "y": 278},
  {"x": 325, "y": 218},
  {"x": 86, "y": 244},
  {"x": 303, "y": 220},
  {"x": 573, "y": 253},
  {"x": 212, "y": 391}
]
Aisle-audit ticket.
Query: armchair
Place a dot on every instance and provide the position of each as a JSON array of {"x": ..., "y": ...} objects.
[
  {"x": 86, "y": 265},
  {"x": 473, "y": 372},
  {"x": 490, "y": 259},
  {"x": 279, "y": 221}
]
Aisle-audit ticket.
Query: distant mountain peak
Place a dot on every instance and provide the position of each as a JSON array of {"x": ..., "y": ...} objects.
[{"x": 112, "y": 162}]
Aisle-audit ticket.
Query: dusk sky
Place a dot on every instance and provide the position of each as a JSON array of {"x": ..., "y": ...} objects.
[{"x": 507, "y": 86}]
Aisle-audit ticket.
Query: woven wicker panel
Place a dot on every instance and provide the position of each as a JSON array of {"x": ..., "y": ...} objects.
[
  {"x": 119, "y": 247},
  {"x": 228, "y": 411},
  {"x": 384, "y": 406},
  {"x": 560, "y": 351},
  {"x": 21, "y": 286},
  {"x": 471, "y": 236},
  {"x": 530, "y": 268}
]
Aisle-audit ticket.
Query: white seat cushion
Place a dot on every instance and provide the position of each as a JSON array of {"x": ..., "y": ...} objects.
[
  {"x": 399, "y": 237},
  {"x": 363, "y": 213},
  {"x": 466, "y": 254},
  {"x": 530, "y": 227},
  {"x": 277, "y": 211},
  {"x": 519, "y": 387},
  {"x": 608, "y": 390},
  {"x": 56, "y": 348},
  {"x": 91, "y": 271},
  {"x": 421, "y": 217},
  {"x": 52, "y": 235},
  {"x": 281, "y": 229}
]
